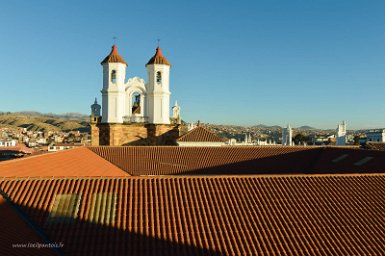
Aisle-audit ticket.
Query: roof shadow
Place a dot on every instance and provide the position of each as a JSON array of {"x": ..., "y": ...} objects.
[
  {"x": 242, "y": 161},
  {"x": 80, "y": 237}
]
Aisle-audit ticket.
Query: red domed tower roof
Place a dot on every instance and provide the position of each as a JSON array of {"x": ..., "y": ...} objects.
[
  {"x": 114, "y": 56},
  {"x": 158, "y": 58}
]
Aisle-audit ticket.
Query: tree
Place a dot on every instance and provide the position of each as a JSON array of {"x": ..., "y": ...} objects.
[{"x": 300, "y": 139}]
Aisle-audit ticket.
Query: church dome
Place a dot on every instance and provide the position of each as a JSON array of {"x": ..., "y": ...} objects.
[
  {"x": 114, "y": 56},
  {"x": 158, "y": 58}
]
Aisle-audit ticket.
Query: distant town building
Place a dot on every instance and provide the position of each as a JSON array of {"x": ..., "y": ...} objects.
[
  {"x": 95, "y": 112},
  {"x": 248, "y": 140},
  {"x": 376, "y": 135},
  {"x": 8, "y": 143},
  {"x": 341, "y": 134},
  {"x": 63, "y": 146},
  {"x": 176, "y": 118},
  {"x": 232, "y": 142},
  {"x": 265, "y": 142},
  {"x": 190, "y": 126},
  {"x": 287, "y": 136}
]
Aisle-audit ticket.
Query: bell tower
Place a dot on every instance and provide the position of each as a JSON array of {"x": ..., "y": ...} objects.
[
  {"x": 114, "y": 75},
  {"x": 95, "y": 112},
  {"x": 158, "y": 89}
]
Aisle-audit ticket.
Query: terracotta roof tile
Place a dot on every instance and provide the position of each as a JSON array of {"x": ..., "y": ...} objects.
[
  {"x": 375, "y": 146},
  {"x": 251, "y": 215},
  {"x": 239, "y": 160},
  {"x": 158, "y": 58},
  {"x": 347, "y": 160},
  {"x": 209, "y": 160},
  {"x": 200, "y": 134},
  {"x": 114, "y": 56},
  {"x": 12, "y": 225},
  {"x": 72, "y": 162}
]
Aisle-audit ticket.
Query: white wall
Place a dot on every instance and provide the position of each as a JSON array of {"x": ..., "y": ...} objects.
[
  {"x": 158, "y": 95},
  {"x": 375, "y": 136},
  {"x": 113, "y": 94}
]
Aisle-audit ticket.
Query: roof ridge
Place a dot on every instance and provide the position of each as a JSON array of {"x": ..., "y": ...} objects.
[
  {"x": 88, "y": 148},
  {"x": 200, "y": 137},
  {"x": 240, "y": 176}
]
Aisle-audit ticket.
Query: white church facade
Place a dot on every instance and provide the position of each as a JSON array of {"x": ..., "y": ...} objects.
[
  {"x": 287, "y": 136},
  {"x": 341, "y": 134},
  {"x": 133, "y": 111}
]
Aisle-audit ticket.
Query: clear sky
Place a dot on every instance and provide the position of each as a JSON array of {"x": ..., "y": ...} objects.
[{"x": 303, "y": 62}]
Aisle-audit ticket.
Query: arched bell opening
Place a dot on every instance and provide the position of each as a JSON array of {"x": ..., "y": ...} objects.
[{"x": 136, "y": 103}]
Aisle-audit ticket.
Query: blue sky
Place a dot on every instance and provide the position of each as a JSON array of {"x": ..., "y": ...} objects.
[{"x": 233, "y": 62}]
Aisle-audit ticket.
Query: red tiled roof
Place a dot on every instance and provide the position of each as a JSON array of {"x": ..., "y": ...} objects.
[
  {"x": 114, "y": 56},
  {"x": 72, "y": 162},
  {"x": 265, "y": 215},
  {"x": 158, "y": 58},
  {"x": 240, "y": 160},
  {"x": 375, "y": 146},
  {"x": 200, "y": 134},
  {"x": 345, "y": 160},
  {"x": 123, "y": 161},
  {"x": 21, "y": 149},
  {"x": 209, "y": 160},
  {"x": 16, "y": 233}
]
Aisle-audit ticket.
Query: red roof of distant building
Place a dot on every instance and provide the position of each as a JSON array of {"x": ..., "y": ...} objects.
[
  {"x": 200, "y": 134},
  {"x": 114, "y": 56},
  {"x": 21, "y": 149},
  {"x": 158, "y": 58}
]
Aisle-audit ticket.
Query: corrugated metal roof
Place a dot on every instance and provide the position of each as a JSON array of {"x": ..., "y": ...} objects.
[{"x": 253, "y": 215}]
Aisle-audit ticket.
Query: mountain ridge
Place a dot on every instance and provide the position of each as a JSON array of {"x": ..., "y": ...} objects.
[{"x": 36, "y": 121}]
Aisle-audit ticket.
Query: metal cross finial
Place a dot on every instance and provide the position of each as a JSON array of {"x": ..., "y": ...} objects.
[
  {"x": 114, "y": 39},
  {"x": 158, "y": 41}
]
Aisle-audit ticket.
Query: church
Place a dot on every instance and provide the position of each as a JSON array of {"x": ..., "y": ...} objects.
[{"x": 135, "y": 112}]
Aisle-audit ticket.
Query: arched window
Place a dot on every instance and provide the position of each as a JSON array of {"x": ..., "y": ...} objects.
[
  {"x": 113, "y": 76},
  {"x": 158, "y": 77},
  {"x": 136, "y": 103}
]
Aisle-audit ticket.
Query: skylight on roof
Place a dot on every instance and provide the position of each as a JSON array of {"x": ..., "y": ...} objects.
[
  {"x": 103, "y": 208},
  {"x": 65, "y": 208},
  {"x": 340, "y": 158},
  {"x": 363, "y": 161}
]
